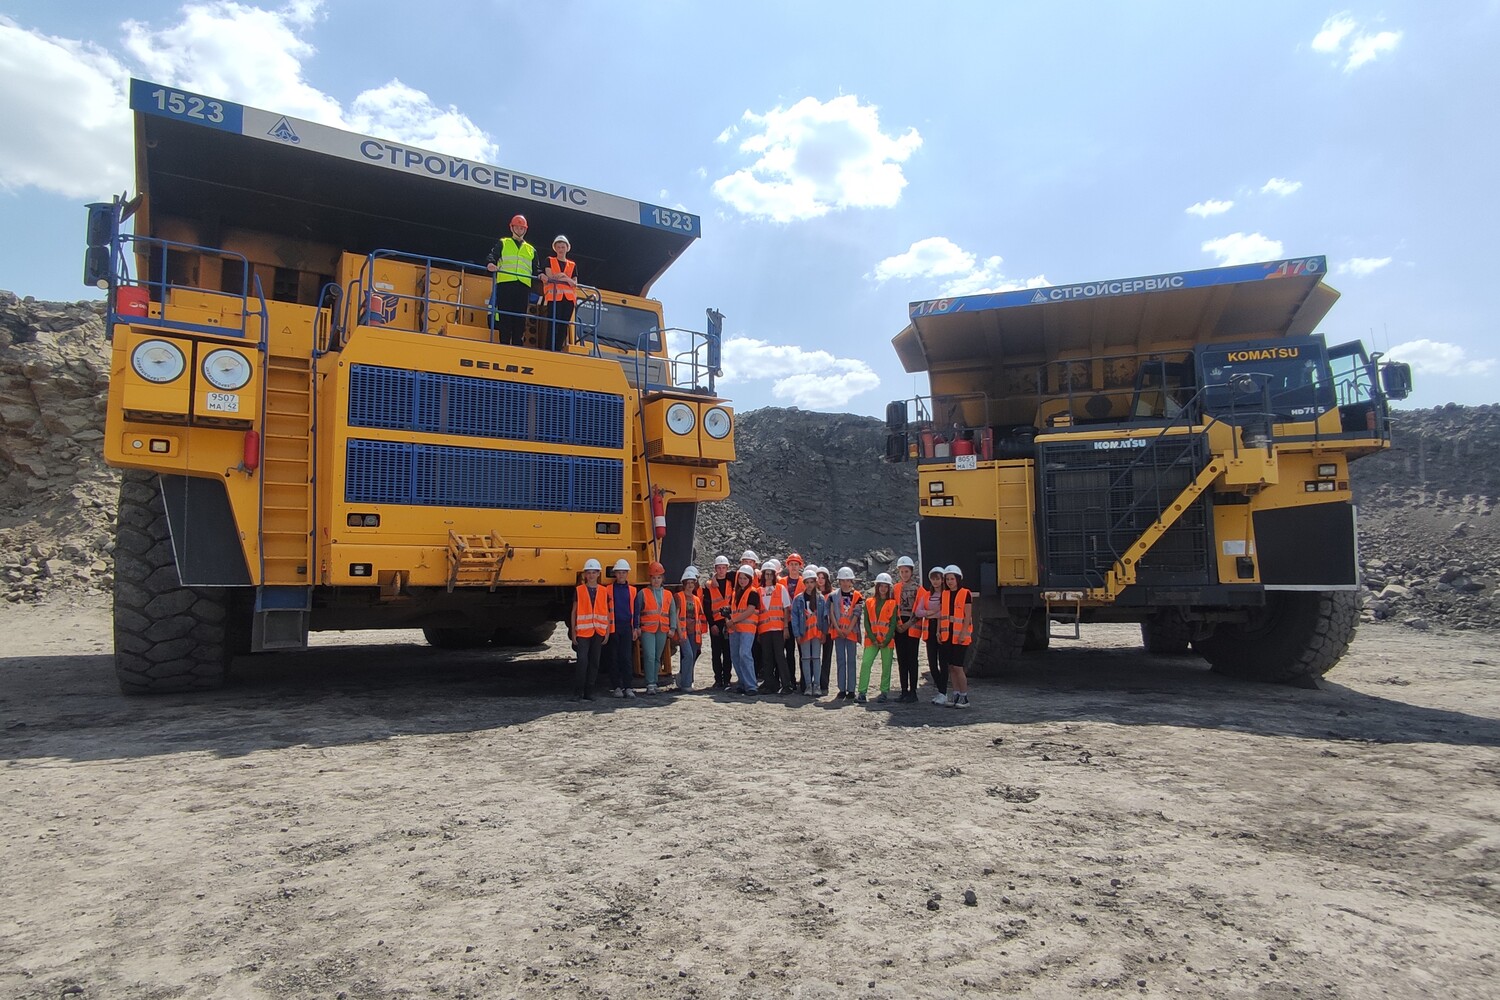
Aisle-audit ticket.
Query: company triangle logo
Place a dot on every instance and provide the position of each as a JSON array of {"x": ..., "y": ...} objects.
[
  {"x": 1038, "y": 297},
  {"x": 283, "y": 130}
]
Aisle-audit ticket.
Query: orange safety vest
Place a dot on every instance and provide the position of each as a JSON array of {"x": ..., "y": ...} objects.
[
  {"x": 718, "y": 601},
  {"x": 594, "y": 616},
  {"x": 881, "y": 622},
  {"x": 810, "y": 630},
  {"x": 920, "y": 629},
  {"x": 690, "y": 619},
  {"x": 773, "y": 610},
  {"x": 843, "y": 624},
  {"x": 653, "y": 618},
  {"x": 552, "y": 290},
  {"x": 747, "y": 625},
  {"x": 954, "y": 625}
]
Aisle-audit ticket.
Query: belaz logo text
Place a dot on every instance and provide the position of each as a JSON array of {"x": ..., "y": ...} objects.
[{"x": 495, "y": 366}]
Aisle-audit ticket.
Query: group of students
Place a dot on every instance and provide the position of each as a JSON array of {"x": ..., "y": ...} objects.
[{"x": 775, "y": 630}]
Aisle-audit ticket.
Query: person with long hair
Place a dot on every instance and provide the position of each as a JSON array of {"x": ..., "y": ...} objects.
[
  {"x": 844, "y": 612},
  {"x": 744, "y": 611},
  {"x": 879, "y": 626},
  {"x": 772, "y": 630},
  {"x": 956, "y": 634},
  {"x": 809, "y": 624}
]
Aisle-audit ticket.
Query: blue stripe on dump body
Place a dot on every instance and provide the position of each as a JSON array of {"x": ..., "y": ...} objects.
[
  {"x": 446, "y": 476},
  {"x": 398, "y": 399}
]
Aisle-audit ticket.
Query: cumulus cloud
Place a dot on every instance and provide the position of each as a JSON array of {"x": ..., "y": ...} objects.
[
  {"x": 1281, "y": 186},
  {"x": 958, "y": 271},
  {"x": 1359, "y": 267},
  {"x": 1203, "y": 209},
  {"x": 249, "y": 54},
  {"x": 1243, "y": 248},
  {"x": 1434, "y": 357},
  {"x": 816, "y": 380},
  {"x": 815, "y": 157},
  {"x": 1362, "y": 46}
]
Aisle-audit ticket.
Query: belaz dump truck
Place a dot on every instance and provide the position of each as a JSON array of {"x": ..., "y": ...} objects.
[
  {"x": 1172, "y": 450},
  {"x": 319, "y": 423}
]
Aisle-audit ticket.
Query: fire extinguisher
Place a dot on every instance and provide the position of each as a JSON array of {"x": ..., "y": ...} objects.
[
  {"x": 659, "y": 512},
  {"x": 251, "y": 460}
]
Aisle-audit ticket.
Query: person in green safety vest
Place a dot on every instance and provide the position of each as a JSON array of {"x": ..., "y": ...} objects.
[{"x": 513, "y": 262}]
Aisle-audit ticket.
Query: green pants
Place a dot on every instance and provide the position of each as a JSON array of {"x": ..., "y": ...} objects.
[{"x": 867, "y": 661}]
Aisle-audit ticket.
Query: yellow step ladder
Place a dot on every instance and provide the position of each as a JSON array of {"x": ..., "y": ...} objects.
[
  {"x": 287, "y": 474},
  {"x": 476, "y": 560}
]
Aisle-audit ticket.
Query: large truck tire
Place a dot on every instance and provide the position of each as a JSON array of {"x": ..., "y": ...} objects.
[
  {"x": 1038, "y": 632},
  {"x": 457, "y": 638},
  {"x": 998, "y": 641},
  {"x": 167, "y": 637},
  {"x": 523, "y": 635},
  {"x": 1167, "y": 634},
  {"x": 1298, "y": 634}
]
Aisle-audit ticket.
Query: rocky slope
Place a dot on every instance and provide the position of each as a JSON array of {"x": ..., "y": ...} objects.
[{"x": 814, "y": 482}]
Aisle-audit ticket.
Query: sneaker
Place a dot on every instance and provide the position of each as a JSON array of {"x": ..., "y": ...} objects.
[
  {"x": 617, "y": 692},
  {"x": 883, "y": 696},
  {"x": 652, "y": 688},
  {"x": 822, "y": 692},
  {"x": 848, "y": 695},
  {"x": 860, "y": 698},
  {"x": 941, "y": 699},
  {"x": 962, "y": 702},
  {"x": 630, "y": 692}
]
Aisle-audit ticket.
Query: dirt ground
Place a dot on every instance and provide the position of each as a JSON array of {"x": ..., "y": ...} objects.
[{"x": 388, "y": 820}]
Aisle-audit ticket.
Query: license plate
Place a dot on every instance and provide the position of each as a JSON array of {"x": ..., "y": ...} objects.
[
  {"x": 965, "y": 462},
  {"x": 224, "y": 402}
]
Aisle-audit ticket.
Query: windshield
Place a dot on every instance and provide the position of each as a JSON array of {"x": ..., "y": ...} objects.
[
  {"x": 622, "y": 326},
  {"x": 1294, "y": 376}
]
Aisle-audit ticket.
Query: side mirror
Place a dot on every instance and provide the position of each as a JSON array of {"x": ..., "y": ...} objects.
[
  {"x": 895, "y": 416},
  {"x": 897, "y": 446},
  {"x": 103, "y": 231},
  {"x": 1395, "y": 379},
  {"x": 715, "y": 338},
  {"x": 96, "y": 267}
]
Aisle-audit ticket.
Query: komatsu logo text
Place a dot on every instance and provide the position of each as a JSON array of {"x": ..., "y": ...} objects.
[
  {"x": 1264, "y": 354},
  {"x": 1121, "y": 443}
]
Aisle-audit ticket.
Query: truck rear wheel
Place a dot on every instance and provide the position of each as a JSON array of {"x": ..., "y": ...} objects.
[
  {"x": 1038, "y": 632},
  {"x": 167, "y": 637},
  {"x": 998, "y": 640},
  {"x": 523, "y": 635},
  {"x": 1166, "y": 634},
  {"x": 1297, "y": 634},
  {"x": 457, "y": 638}
]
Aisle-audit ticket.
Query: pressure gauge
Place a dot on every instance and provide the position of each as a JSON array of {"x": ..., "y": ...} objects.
[
  {"x": 681, "y": 418},
  {"x": 717, "y": 423},
  {"x": 226, "y": 369},
  {"x": 157, "y": 361}
]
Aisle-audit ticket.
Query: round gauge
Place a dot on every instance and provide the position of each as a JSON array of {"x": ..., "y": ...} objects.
[
  {"x": 157, "y": 361},
  {"x": 681, "y": 418},
  {"x": 226, "y": 369},
  {"x": 717, "y": 423}
]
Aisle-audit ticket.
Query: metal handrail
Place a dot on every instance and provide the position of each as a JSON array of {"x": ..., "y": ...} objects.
[{"x": 150, "y": 245}]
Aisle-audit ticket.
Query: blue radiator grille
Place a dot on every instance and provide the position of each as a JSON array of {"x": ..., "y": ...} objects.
[
  {"x": 446, "y": 476},
  {"x": 398, "y": 399}
]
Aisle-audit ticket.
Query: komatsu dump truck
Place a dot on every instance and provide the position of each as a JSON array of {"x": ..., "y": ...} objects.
[
  {"x": 1171, "y": 450},
  {"x": 319, "y": 422}
]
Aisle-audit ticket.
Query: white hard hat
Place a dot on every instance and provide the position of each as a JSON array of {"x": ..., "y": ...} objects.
[
  {"x": 773, "y": 565},
  {"x": 749, "y": 556},
  {"x": 592, "y": 564},
  {"x": 691, "y": 573},
  {"x": 954, "y": 570},
  {"x": 809, "y": 574},
  {"x": 936, "y": 569},
  {"x": 559, "y": 238},
  {"x": 845, "y": 573},
  {"x": 746, "y": 571},
  {"x": 619, "y": 565},
  {"x": 721, "y": 560},
  {"x": 820, "y": 569},
  {"x": 884, "y": 578},
  {"x": 905, "y": 561}
]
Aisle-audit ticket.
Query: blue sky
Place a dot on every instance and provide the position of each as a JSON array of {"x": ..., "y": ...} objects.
[{"x": 847, "y": 158}]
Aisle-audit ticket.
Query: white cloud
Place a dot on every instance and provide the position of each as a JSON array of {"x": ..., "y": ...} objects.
[
  {"x": 1243, "y": 248},
  {"x": 1281, "y": 186},
  {"x": 88, "y": 154},
  {"x": 1433, "y": 357},
  {"x": 1359, "y": 267},
  {"x": 816, "y": 157},
  {"x": 1363, "y": 46},
  {"x": 232, "y": 50},
  {"x": 1333, "y": 33},
  {"x": 817, "y": 380},
  {"x": 1212, "y": 206},
  {"x": 961, "y": 272}
]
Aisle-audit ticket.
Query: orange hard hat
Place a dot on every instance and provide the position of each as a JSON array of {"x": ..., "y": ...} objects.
[
  {"x": 656, "y": 569},
  {"x": 518, "y": 220},
  {"x": 794, "y": 557}
]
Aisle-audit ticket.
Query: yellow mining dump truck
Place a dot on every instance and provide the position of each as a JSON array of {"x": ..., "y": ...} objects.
[
  {"x": 319, "y": 425},
  {"x": 1172, "y": 450}
]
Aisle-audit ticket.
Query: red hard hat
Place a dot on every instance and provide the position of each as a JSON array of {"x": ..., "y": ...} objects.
[
  {"x": 518, "y": 220},
  {"x": 794, "y": 557},
  {"x": 656, "y": 569}
]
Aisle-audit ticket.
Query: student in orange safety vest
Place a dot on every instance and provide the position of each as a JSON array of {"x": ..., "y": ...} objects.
[
  {"x": 825, "y": 587},
  {"x": 589, "y": 625},
  {"x": 908, "y": 626},
  {"x": 880, "y": 637},
  {"x": 655, "y": 622},
  {"x": 929, "y": 603},
  {"x": 559, "y": 294},
  {"x": 692, "y": 626},
  {"x": 844, "y": 612},
  {"x": 790, "y": 577},
  {"x": 772, "y": 627},
  {"x": 744, "y": 611},
  {"x": 719, "y": 593},
  {"x": 809, "y": 625},
  {"x": 955, "y": 626},
  {"x": 619, "y": 648}
]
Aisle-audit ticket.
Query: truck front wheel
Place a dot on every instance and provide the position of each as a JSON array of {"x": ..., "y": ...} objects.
[
  {"x": 999, "y": 638},
  {"x": 1297, "y": 634}
]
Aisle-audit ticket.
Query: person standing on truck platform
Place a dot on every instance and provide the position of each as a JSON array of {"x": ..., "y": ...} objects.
[
  {"x": 589, "y": 626},
  {"x": 745, "y": 609},
  {"x": 559, "y": 294},
  {"x": 879, "y": 622},
  {"x": 655, "y": 622},
  {"x": 955, "y": 634},
  {"x": 513, "y": 262},
  {"x": 907, "y": 626},
  {"x": 692, "y": 626},
  {"x": 843, "y": 628},
  {"x": 619, "y": 651},
  {"x": 720, "y": 592}
]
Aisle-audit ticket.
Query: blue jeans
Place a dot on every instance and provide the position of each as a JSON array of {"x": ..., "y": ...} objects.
[
  {"x": 689, "y": 649},
  {"x": 845, "y": 651},
  {"x": 811, "y": 653},
  {"x": 742, "y": 650}
]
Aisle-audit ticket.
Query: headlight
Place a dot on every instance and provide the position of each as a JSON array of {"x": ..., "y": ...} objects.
[
  {"x": 717, "y": 423},
  {"x": 681, "y": 418},
  {"x": 157, "y": 361},
  {"x": 226, "y": 369}
]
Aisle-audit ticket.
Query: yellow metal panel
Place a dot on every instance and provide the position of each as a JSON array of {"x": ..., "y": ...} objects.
[
  {"x": 716, "y": 449},
  {"x": 140, "y": 396},
  {"x": 1015, "y": 530},
  {"x": 661, "y": 441},
  {"x": 229, "y": 407}
]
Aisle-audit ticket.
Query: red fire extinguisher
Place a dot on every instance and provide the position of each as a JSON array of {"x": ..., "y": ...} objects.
[
  {"x": 659, "y": 512},
  {"x": 252, "y": 450}
]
